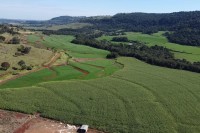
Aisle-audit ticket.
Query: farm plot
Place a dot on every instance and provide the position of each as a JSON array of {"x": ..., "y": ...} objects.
[
  {"x": 64, "y": 43},
  {"x": 74, "y": 70},
  {"x": 139, "y": 98}
]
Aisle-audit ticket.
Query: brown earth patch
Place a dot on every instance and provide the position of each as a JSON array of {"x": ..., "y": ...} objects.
[{"x": 13, "y": 122}]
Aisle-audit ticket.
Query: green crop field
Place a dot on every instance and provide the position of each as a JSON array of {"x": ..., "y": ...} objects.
[
  {"x": 64, "y": 43},
  {"x": 139, "y": 98},
  {"x": 189, "y": 53},
  {"x": 33, "y": 38},
  {"x": 65, "y": 73}
]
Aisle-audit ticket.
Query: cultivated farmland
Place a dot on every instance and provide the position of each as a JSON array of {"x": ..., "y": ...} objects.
[
  {"x": 61, "y": 42},
  {"x": 139, "y": 98}
]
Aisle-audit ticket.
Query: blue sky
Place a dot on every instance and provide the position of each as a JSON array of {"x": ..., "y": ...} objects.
[{"x": 46, "y": 9}]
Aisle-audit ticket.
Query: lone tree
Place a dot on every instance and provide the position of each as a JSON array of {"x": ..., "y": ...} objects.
[
  {"x": 5, "y": 65},
  {"x": 21, "y": 63}
]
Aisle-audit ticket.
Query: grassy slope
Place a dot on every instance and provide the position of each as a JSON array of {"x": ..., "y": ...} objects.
[
  {"x": 185, "y": 52},
  {"x": 140, "y": 98},
  {"x": 35, "y": 57}
]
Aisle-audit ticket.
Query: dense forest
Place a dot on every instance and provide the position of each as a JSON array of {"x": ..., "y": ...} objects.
[{"x": 185, "y": 26}]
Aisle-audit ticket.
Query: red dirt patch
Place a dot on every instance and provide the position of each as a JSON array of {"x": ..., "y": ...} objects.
[{"x": 12, "y": 122}]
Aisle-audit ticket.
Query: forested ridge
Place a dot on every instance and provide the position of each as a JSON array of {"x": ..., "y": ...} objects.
[{"x": 185, "y": 26}]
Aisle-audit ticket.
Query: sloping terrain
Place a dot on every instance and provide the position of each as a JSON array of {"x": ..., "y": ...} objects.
[{"x": 140, "y": 98}]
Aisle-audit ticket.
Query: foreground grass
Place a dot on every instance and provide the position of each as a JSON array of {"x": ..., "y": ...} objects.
[
  {"x": 140, "y": 98},
  {"x": 189, "y": 53}
]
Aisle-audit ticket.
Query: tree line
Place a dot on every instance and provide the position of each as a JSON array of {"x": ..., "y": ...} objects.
[{"x": 155, "y": 55}]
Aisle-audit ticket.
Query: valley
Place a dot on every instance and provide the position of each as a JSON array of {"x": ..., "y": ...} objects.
[{"x": 117, "y": 74}]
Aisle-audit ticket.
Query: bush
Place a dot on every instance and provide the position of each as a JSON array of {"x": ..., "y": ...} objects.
[
  {"x": 29, "y": 68},
  {"x": 14, "y": 40},
  {"x": 2, "y": 38},
  {"x": 14, "y": 68},
  {"x": 21, "y": 63},
  {"x": 5, "y": 66},
  {"x": 23, "y": 50},
  {"x": 112, "y": 55},
  {"x": 120, "y": 39}
]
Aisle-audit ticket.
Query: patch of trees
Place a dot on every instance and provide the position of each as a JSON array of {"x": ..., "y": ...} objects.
[
  {"x": 185, "y": 36},
  {"x": 155, "y": 55},
  {"x": 23, "y": 66},
  {"x": 120, "y": 39},
  {"x": 22, "y": 50},
  {"x": 89, "y": 31},
  {"x": 14, "y": 40},
  {"x": 5, "y": 66},
  {"x": 5, "y": 28}
]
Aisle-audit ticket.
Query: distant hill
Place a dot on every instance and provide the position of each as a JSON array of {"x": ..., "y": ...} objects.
[
  {"x": 64, "y": 20},
  {"x": 144, "y": 21},
  {"x": 54, "y": 21},
  {"x": 11, "y": 21}
]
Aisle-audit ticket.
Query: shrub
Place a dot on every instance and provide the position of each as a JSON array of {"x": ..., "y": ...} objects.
[
  {"x": 112, "y": 55},
  {"x": 120, "y": 39},
  {"x": 14, "y": 68},
  {"x": 29, "y": 68},
  {"x": 21, "y": 63},
  {"x": 5, "y": 65},
  {"x": 14, "y": 40},
  {"x": 2, "y": 38}
]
